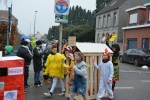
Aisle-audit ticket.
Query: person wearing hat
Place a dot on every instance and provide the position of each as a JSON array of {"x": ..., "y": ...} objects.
[
  {"x": 30, "y": 46},
  {"x": 25, "y": 53},
  {"x": 107, "y": 73},
  {"x": 9, "y": 51},
  {"x": 37, "y": 62}
]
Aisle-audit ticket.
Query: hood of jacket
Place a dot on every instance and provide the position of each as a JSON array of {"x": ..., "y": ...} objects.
[
  {"x": 9, "y": 49},
  {"x": 33, "y": 43}
]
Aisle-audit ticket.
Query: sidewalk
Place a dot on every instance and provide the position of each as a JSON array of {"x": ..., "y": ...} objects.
[{"x": 36, "y": 93}]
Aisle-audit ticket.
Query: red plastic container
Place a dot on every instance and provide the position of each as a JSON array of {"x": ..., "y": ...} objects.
[{"x": 11, "y": 78}]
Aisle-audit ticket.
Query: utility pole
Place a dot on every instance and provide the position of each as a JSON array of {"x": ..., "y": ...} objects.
[
  {"x": 8, "y": 26},
  {"x": 30, "y": 29},
  {"x": 60, "y": 36},
  {"x": 34, "y": 22}
]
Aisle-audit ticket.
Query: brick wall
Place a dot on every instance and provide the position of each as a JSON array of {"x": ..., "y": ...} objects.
[{"x": 136, "y": 33}]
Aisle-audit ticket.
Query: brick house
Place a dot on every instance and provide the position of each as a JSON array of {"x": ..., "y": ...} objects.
[
  {"x": 137, "y": 31},
  {"x": 4, "y": 17},
  {"x": 112, "y": 18}
]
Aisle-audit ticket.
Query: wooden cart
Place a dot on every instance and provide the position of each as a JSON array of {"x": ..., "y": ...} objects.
[{"x": 90, "y": 50}]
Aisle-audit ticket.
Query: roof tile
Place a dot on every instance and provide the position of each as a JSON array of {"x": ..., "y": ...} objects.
[{"x": 114, "y": 4}]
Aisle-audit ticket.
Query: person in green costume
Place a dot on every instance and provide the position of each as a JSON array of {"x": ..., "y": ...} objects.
[{"x": 33, "y": 42}]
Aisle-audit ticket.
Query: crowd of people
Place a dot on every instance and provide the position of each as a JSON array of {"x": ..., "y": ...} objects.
[{"x": 46, "y": 57}]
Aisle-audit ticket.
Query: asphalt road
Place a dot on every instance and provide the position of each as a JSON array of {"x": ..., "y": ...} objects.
[{"x": 134, "y": 84}]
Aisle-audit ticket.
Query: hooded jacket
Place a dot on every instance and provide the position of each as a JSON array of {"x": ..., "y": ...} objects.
[
  {"x": 24, "y": 53},
  {"x": 33, "y": 43},
  {"x": 10, "y": 51}
]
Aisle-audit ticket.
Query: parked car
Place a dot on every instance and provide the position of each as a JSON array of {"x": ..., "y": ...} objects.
[{"x": 136, "y": 56}]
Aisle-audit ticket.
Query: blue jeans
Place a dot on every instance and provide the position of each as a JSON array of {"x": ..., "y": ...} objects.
[
  {"x": 79, "y": 84},
  {"x": 37, "y": 76}
]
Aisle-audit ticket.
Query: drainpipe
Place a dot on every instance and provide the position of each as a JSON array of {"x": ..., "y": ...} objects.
[{"x": 123, "y": 42}]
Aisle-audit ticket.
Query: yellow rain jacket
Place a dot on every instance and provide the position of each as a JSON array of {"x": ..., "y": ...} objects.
[{"x": 33, "y": 43}]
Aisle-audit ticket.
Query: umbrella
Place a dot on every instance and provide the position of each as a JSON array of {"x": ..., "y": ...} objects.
[{"x": 25, "y": 37}]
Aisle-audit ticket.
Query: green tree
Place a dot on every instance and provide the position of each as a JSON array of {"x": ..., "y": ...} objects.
[
  {"x": 84, "y": 33},
  {"x": 49, "y": 36},
  {"x": 79, "y": 16}
]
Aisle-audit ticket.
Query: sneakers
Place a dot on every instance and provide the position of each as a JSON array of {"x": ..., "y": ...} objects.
[
  {"x": 39, "y": 83},
  {"x": 110, "y": 99},
  {"x": 36, "y": 84},
  {"x": 49, "y": 94},
  {"x": 62, "y": 94},
  {"x": 26, "y": 86}
]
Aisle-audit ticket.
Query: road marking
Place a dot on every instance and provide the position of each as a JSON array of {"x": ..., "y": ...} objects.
[
  {"x": 124, "y": 88},
  {"x": 135, "y": 71},
  {"x": 145, "y": 80}
]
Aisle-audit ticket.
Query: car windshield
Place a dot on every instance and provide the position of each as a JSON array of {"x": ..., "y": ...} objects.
[
  {"x": 146, "y": 51},
  {"x": 128, "y": 51}
]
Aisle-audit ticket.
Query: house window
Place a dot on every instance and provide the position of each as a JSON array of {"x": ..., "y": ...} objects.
[
  {"x": 99, "y": 22},
  {"x": 133, "y": 18},
  {"x": 108, "y": 20},
  {"x": 98, "y": 38},
  {"x": 103, "y": 35},
  {"x": 145, "y": 43},
  {"x": 103, "y": 38},
  {"x": 115, "y": 19},
  {"x": 104, "y": 21}
]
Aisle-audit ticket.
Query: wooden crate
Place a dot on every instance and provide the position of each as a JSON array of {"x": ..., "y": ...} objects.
[{"x": 93, "y": 76}]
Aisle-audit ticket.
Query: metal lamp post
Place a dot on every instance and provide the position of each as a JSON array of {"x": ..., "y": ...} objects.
[
  {"x": 34, "y": 22},
  {"x": 30, "y": 28}
]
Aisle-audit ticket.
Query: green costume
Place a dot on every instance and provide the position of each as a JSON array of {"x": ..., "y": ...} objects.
[
  {"x": 33, "y": 43},
  {"x": 115, "y": 58}
]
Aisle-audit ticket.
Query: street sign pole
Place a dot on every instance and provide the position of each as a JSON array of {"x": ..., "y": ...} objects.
[
  {"x": 61, "y": 9},
  {"x": 60, "y": 36}
]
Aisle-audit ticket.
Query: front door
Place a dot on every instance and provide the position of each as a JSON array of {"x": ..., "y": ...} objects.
[{"x": 132, "y": 43}]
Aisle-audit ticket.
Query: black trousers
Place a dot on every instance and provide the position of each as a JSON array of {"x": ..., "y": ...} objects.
[{"x": 26, "y": 75}]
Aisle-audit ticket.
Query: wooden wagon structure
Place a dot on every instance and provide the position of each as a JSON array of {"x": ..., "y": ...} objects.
[{"x": 90, "y": 50}]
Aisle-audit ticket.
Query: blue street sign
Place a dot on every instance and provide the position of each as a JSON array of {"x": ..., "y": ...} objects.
[{"x": 62, "y": 7}]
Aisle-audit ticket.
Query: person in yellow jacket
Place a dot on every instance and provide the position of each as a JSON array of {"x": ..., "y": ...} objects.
[
  {"x": 55, "y": 68},
  {"x": 33, "y": 42}
]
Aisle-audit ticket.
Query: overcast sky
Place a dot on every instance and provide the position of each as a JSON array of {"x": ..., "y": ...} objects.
[{"x": 24, "y": 11}]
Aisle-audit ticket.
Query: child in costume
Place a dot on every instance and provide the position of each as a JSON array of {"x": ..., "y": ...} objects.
[
  {"x": 107, "y": 73},
  {"x": 55, "y": 68},
  {"x": 79, "y": 81},
  {"x": 70, "y": 58},
  {"x": 115, "y": 48}
]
